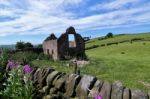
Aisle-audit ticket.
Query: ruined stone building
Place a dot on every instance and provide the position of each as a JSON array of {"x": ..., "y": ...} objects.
[{"x": 64, "y": 47}]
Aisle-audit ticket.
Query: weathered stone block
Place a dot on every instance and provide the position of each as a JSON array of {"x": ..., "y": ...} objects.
[
  {"x": 126, "y": 94},
  {"x": 60, "y": 83},
  {"x": 87, "y": 82},
  {"x": 32, "y": 74},
  {"x": 96, "y": 88},
  {"x": 53, "y": 91},
  {"x": 44, "y": 89},
  {"x": 51, "y": 77},
  {"x": 117, "y": 90},
  {"x": 43, "y": 75},
  {"x": 138, "y": 94},
  {"x": 71, "y": 84},
  {"x": 56, "y": 79},
  {"x": 40, "y": 75},
  {"x": 35, "y": 76},
  {"x": 106, "y": 90},
  {"x": 149, "y": 93}
]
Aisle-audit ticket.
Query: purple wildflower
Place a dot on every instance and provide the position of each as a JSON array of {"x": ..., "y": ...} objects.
[
  {"x": 98, "y": 97},
  {"x": 11, "y": 65},
  {"x": 27, "y": 69}
]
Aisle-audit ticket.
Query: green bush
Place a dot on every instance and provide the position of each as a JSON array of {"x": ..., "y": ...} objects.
[
  {"x": 42, "y": 56},
  {"x": 1, "y": 80},
  {"x": 109, "y": 35},
  {"x": 19, "y": 45},
  {"x": 91, "y": 47},
  {"x": 102, "y": 45},
  {"x": 24, "y": 57},
  {"x": 16, "y": 88},
  {"x": 22, "y": 45},
  {"x": 101, "y": 38},
  {"x": 28, "y": 45},
  {"x": 112, "y": 43},
  {"x": 4, "y": 58}
]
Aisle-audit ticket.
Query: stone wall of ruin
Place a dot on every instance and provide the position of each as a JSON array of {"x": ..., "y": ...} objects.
[
  {"x": 63, "y": 45},
  {"x": 52, "y": 84},
  {"x": 50, "y": 47},
  {"x": 80, "y": 44}
]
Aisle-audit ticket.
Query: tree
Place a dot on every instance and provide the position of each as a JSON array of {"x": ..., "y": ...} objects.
[
  {"x": 39, "y": 46},
  {"x": 20, "y": 45},
  {"x": 109, "y": 35},
  {"x": 28, "y": 45}
]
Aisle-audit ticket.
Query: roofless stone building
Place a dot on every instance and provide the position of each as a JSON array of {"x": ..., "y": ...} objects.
[{"x": 70, "y": 44}]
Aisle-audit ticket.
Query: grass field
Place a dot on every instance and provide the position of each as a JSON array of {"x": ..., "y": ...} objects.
[
  {"x": 127, "y": 62},
  {"x": 118, "y": 38}
]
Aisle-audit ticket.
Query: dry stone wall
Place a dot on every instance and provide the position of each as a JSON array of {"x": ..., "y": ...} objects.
[{"x": 52, "y": 84}]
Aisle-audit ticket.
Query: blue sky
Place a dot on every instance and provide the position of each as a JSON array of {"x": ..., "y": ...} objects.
[{"x": 34, "y": 20}]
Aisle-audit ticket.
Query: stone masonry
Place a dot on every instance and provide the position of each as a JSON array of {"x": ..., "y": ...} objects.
[
  {"x": 52, "y": 84},
  {"x": 62, "y": 48}
]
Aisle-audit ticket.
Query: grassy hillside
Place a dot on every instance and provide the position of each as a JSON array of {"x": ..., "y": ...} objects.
[
  {"x": 118, "y": 38},
  {"x": 128, "y": 62}
]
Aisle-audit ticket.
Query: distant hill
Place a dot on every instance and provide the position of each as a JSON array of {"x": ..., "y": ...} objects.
[
  {"x": 118, "y": 38},
  {"x": 12, "y": 46}
]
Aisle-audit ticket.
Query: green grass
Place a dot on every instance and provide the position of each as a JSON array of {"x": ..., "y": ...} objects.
[
  {"x": 57, "y": 65},
  {"x": 95, "y": 41},
  {"x": 109, "y": 63}
]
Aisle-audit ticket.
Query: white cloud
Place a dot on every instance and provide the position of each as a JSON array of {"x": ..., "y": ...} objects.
[
  {"x": 5, "y": 13},
  {"x": 47, "y": 16},
  {"x": 114, "y": 4},
  {"x": 116, "y": 18}
]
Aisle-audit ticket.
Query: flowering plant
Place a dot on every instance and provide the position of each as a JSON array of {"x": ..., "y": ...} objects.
[
  {"x": 27, "y": 69},
  {"x": 98, "y": 97},
  {"x": 16, "y": 88},
  {"x": 11, "y": 65}
]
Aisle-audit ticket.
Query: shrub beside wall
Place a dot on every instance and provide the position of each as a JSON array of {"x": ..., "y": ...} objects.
[{"x": 91, "y": 47}]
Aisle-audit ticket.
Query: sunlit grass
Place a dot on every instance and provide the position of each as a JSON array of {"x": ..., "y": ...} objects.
[
  {"x": 131, "y": 67},
  {"x": 128, "y": 37},
  {"x": 57, "y": 65},
  {"x": 109, "y": 63}
]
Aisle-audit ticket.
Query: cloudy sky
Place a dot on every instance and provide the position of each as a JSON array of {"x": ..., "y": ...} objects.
[{"x": 34, "y": 20}]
